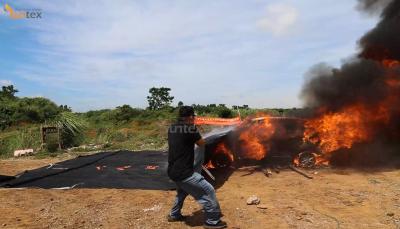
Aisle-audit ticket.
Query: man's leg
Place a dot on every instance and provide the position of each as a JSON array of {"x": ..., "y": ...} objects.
[
  {"x": 204, "y": 194},
  {"x": 178, "y": 204}
]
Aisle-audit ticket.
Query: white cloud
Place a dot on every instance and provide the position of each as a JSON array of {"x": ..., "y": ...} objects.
[
  {"x": 99, "y": 53},
  {"x": 280, "y": 19},
  {"x": 5, "y": 82}
]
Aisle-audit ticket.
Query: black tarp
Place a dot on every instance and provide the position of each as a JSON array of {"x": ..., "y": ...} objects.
[
  {"x": 122, "y": 169},
  {"x": 4, "y": 178}
]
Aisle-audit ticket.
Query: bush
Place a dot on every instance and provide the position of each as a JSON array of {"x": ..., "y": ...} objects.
[
  {"x": 125, "y": 113},
  {"x": 225, "y": 113},
  {"x": 119, "y": 137},
  {"x": 51, "y": 147},
  {"x": 23, "y": 139},
  {"x": 70, "y": 139},
  {"x": 26, "y": 110},
  {"x": 35, "y": 110}
]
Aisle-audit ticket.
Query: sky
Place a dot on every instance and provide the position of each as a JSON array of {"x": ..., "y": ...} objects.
[{"x": 95, "y": 54}]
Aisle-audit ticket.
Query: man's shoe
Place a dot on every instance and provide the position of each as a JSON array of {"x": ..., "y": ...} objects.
[
  {"x": 175, "y": 219},
  {"x": 220, "y": 224}
]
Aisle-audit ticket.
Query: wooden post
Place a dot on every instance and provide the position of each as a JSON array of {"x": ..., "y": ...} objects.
[
  {"x": 42, "y": 136},
  {"x": 59, "y": 138}
]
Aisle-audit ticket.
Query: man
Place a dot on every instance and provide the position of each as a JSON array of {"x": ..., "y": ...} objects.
[{"x": 182, "y": 137}]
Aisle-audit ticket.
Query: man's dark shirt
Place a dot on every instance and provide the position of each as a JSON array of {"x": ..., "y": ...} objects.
[{"x": 181, "y": 140}]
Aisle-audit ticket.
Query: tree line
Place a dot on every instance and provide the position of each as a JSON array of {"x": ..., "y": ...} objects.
[{"x": 16, "y": 110}]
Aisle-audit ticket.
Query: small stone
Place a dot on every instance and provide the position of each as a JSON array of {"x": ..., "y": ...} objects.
[
  {"x": 253, "y": 200},
  {"x": 309, "y": 220},
  {"x": 299, "y": 217},
  {"x": 4, "y": 224},
  {"x": 42, "y": 209},
  {"x": 262, "y": 206},
  {"x": 304, "y": 213},
  {"x": 390, "y": 214}
]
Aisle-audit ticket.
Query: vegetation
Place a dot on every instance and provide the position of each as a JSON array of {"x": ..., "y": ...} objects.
[
  {"x": 159, "y": 98},
  {"x": 122, "y": 127}
]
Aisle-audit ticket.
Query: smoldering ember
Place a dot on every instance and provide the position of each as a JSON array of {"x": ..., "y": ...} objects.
[{"x": 334, "y": 163}]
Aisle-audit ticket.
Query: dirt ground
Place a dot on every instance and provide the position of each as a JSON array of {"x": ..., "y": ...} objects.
[{"x": 333, "y": 199}]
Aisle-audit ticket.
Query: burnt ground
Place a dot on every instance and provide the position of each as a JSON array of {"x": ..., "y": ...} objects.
[{"x": 335, "y": 198}]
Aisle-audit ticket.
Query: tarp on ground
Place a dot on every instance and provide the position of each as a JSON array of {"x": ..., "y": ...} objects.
[
  {"x": 4, "y": 178},
  {"x": 122, "y": 169}
]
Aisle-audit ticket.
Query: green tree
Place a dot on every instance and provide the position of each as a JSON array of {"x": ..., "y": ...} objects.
[
  {"x": 65, "y": 108},
  {"x": 224, "y": 112},
  {"x": 159, "y": 98},
  {"x": 125, "y": 113},
  {"x": 8, "y": 92},
  {"x": 33, "y": 110}
]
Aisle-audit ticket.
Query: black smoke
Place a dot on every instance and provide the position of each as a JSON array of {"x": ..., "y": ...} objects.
[
  {"x": 363, "y": 79},
  {"x": 372, "y": 6}
]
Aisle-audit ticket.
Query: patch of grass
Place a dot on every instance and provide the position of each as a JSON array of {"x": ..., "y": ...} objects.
[
  {"x": 27, "y": 138},
  {"x": 42, "y": 154}
]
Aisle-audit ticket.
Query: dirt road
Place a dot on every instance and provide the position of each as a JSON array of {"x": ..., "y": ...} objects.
[{"x": 333, "y": 199}]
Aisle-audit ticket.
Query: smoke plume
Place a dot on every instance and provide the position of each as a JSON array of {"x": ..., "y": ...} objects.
[
  {"x": 362, "y": 97},
  {"x": 372, "y": 6},
  {"x": 361, "y": 79}
]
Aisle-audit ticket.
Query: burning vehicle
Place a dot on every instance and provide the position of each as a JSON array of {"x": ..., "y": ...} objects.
[
  {"x": 262, "y": 140},
  {"x": 355, "y": 112},
  {"x": 255, "y": 139}
]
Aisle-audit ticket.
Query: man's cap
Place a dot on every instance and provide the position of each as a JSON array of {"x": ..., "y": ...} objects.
[{"x": 186, "y": 111}]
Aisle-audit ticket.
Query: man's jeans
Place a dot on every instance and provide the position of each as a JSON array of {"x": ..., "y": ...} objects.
[{"x": 203, "y": 192}]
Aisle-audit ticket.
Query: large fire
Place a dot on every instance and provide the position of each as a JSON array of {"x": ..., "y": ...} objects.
[
  {"x": 353, "y": 124},
  {"x": 254, "y": 139},
  {"x": 252, "y": 142},
  {"x": 332, "y": 131}
]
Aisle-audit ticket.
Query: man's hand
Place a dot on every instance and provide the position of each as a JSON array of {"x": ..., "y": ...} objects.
[{"x": 201, "y": 142}]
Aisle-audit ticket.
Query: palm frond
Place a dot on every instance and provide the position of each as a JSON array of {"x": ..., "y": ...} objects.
[{"x": 69, "y": 121}]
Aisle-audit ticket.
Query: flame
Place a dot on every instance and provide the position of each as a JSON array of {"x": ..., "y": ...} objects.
[
  {"x": 217, "y": 121},
  {"x": 320, "y": 160},
  {"x": 333, "y": 131},
  {"x": 390, "y": 63},
  {"x": 221, "y": 149},
  {"x": 254, "y": 139},
  {"x": 354, "y": 123},
  {"x": 296, "y": 161},
  {"x": 210, "y": 165}
]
